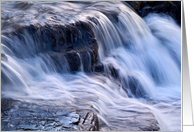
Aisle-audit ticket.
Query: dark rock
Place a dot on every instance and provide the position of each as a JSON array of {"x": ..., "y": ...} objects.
[
  {"x": 175, "y": 11},
  {"x": 168, "y": 7},
  {"x": 113, "y": 72},
  {"x": 145, "y": 11},
  {"x": 8, "y": 103},
  {"x": 164, "y": 8},
  {"x": 59, "y": 61},
  {"x": 88, "y": 122},
  {"x": 17, "y": 115},
  {"x": 99, "y": 67},
  {"x": 135, "y": 4},
  {"x": 113, "y": 15},
  {"x": 58, "y": 39},
  {"x": 95, "y": 53},
  {"x": 73, "y": 60},
  {"x": 3, "y": 57},
  {"x": 151, "y": 2},
  {"x": 160, "y": 8},
  {"x": 93, "y": 19},
  {"x": 143, "y": 4},
  {"x": 46, "y": 116},
  {"x": 87, "y": 60},
  {"x": 136, "y": 87}
]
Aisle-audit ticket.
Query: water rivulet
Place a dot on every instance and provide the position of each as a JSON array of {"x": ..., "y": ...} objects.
[{"x": 91, "y": 56}]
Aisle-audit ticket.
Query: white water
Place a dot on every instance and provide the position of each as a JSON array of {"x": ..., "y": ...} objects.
[{"x": 145, "y": 52}]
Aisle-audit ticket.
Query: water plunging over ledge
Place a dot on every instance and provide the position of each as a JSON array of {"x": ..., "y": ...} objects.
[{"x": 95, "y": 56}]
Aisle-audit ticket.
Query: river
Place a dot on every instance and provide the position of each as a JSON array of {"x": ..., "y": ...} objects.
[{"x": 145, "y": 53}]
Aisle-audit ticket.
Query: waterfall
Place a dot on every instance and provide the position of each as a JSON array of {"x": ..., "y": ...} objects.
[
  {"x": 81, "y": 65},
  {"x": 89, "y": 61},
  {"x": 141, "y": 60}
]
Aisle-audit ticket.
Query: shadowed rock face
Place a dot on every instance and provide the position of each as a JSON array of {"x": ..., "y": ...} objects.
[
  {"x": 99, "y": 67},
  {"x": 69, "y": 41},
  {"x": 143, "y": 8},
  {"x": 23, "y": 116}
]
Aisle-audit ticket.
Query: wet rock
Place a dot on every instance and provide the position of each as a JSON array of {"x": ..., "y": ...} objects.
[
  {"x": 175, "y": 11},
  {"x": 113, "y": 15},
  {"x": 168, "y": 7},
  {"x": 8, "y": 103},
  {"x": 3, "y": 57},
  {"x": 73, "y": 60},
  {"x": 99, "y": 67},
  {"x": 162, "y": 8},
  {"x": 154, "y": 9},
  {"x": 151, "y": 2},
  {"x": 145, "y": 11},
  {"x": 59, "y": 62},
  {"x": 17, "y": 115},
  {"x": 87, "y": 59},
  {"x": 88, "y": 122},
  {"x": 151, "y": 125},
  {"x": 23, "y": 5},
  {"x": 136, "y": 87},
  {"x": 59, "y": 39},
  {"x": 113, "y": 71},
  {"x": 135, "y": 4},
  {"x": 93, "y": 19},
  {"x": 107, "y": 70}
]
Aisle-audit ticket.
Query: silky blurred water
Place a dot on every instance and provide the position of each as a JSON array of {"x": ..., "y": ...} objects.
[{"x": 146, "y": 53}]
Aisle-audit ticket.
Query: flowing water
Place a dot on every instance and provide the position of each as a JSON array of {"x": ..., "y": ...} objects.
[{"x": 145, "y": 52}]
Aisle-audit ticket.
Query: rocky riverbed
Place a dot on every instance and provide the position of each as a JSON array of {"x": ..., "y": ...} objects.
[{"x": 24, "y": 116}]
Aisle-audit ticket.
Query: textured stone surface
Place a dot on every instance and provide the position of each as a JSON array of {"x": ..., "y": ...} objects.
[
  {"x": 22, "y": 116},
  {"x": 59, "y": 41}
]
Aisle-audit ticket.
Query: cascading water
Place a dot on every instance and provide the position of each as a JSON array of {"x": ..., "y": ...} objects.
[{"x": 145, "y": 56}]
